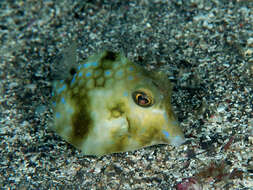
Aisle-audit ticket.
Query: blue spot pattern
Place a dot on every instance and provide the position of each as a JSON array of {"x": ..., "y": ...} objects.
[
  {"x": 73, "y": 79},
  {"x": 94, "y": 64},
  {"x": 88, "y": 74},
  {"x": 54, "y": 104},
  {"x": 125, "y": 94},
  {"x": 80, "y": 74},
  {"x": 130, "y": 68},
  {"x": 107, "y": 73},
  {"x": 79, "y": 67},
  {"x": 119, "y": 73},
  {"x": 61, "y": 89},
  {"x": 130, "y": 78},
  {"x": 86, "y": 65},
  {"x": 166, "y": 133},
  {"x": 70, "y": 110},
  {"x": 63, "y": 100},
  {"x": 57, "y": 115}
]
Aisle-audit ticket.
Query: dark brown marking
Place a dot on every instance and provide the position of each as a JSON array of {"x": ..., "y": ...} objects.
[
  {"x": 97, "y": 77},
  {"x": 120, "y": 141},
  {"x": 107, "y": 60},
  {"x": 99, "y": 85},
  {"x": 72, "y": 71},
  {"x": 81, "y": 120},
  {"x": 109, "y": 56},
  {"x": 129, "y": 125},
  {"x": 169, "y": 111},
  {"x": 118, "y": 107}
]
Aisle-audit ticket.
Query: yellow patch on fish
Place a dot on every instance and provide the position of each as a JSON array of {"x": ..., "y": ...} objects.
[{"x": 113, "y": 105}]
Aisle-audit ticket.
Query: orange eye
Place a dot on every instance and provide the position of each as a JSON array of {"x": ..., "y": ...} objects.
[{"x": 142, "y": 99}]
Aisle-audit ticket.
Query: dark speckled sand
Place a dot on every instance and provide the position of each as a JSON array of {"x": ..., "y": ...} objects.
[{"x": 205, "y": 47}]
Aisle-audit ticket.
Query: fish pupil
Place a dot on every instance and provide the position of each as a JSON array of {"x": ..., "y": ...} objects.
[{"x": 142, "y": 100}]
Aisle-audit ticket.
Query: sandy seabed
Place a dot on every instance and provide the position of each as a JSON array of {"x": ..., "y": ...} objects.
[{"x": 205, "y": 47}]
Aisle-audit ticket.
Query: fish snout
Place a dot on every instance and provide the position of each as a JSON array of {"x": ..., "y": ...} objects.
[{"x": 172, "y": 133}]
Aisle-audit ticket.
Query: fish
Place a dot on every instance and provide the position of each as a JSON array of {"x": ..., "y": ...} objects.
[{"x": 110, "y": 104}]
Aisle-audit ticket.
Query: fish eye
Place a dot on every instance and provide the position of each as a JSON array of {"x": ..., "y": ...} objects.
[{"x": 142, "y": 99}]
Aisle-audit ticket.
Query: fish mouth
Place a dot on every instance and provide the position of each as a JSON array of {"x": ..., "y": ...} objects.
[
  {"x": 172, "y": 132},
  {"x": 177, "y": 140}
]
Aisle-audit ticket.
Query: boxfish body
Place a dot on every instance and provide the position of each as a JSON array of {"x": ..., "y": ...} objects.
[{"x": 110, "y": 104}]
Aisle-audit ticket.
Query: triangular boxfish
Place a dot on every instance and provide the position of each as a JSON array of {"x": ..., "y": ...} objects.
[{"x": 110, "y": 104}]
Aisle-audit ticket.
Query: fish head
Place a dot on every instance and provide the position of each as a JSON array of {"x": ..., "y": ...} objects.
[{"x": 143, "y": 105}]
